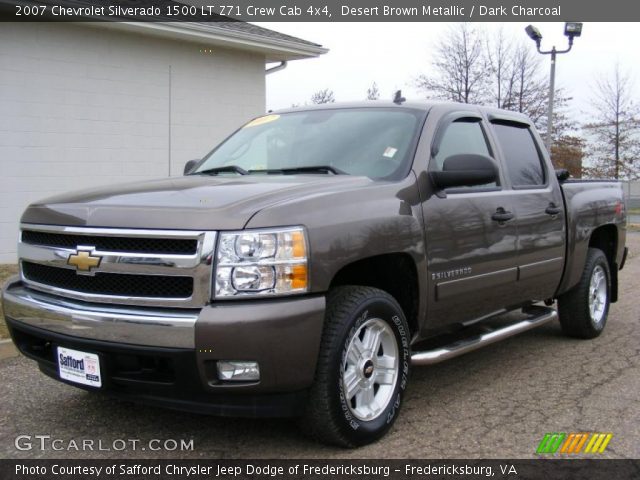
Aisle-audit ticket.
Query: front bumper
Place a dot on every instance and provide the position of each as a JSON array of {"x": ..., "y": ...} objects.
[
  {"x": 168, "y": 357},
  {"x": 157, "y": 327}
]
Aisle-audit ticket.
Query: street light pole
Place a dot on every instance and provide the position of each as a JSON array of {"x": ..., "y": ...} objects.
[
  {"x": 552, "y": 91},
  {"x": 571, "y": 30},
  {"x": 552, "y": 86}
]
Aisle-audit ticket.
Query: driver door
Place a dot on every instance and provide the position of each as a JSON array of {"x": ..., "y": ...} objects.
[{"x": 472, "y": 254}]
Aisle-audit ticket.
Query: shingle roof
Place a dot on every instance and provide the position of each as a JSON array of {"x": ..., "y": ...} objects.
[{"x": 263, "y": 32}]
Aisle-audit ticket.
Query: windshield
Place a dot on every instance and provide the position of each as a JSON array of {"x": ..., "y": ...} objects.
[{"x": 374, "y": 142}]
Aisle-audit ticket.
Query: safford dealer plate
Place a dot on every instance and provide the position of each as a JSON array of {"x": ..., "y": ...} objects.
[{"x": 79, "y": 367}]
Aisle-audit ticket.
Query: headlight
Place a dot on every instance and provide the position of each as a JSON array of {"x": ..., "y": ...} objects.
[{"x": 261, "y": 262}]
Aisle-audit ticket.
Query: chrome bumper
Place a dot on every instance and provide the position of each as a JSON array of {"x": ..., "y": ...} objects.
[{"x": 137, "y": 326}]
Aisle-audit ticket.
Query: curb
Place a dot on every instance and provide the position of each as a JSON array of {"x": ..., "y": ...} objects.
[{"x": 7, "y": 349}]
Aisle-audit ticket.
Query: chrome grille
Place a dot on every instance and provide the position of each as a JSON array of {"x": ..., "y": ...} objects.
[
  {"x": 101, "y": 283},
  {"x": 169, "y": 246},
  {"x": 136, "y": 267}
]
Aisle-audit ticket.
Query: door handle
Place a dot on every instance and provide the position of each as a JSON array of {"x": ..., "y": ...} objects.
[
  {"x": 502, "y": 215},
  {"x": 553, "y": 209}
]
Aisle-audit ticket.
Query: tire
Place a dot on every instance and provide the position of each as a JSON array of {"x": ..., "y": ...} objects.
[
  {"x": 580, "y": 317},
  {"x": 364, "y": 411}
]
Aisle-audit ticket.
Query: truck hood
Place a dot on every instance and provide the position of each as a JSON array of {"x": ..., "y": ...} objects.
[{"x": 192, "y": 202}]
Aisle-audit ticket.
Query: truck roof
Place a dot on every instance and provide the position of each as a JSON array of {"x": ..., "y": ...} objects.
[{"x": 425, "y": 105}]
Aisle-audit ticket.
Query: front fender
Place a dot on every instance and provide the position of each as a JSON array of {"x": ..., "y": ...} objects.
[{"x": 350, "y": 225}]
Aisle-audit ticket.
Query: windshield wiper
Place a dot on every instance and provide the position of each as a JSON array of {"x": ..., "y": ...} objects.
[
  {"x": 225, "y": 169},
  {"x": 312, "y": 169}
]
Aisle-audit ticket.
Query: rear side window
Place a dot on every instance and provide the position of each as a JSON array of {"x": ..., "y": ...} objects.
[
  {"x": 522, "y": 158},
  {"x": 461, "y": 137}
]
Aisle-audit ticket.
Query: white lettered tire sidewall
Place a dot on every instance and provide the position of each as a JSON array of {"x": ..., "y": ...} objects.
[{"x": 383, "y": 309}]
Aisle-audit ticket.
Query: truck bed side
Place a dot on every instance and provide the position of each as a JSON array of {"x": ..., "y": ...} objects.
[{"x": 596, "y": 216}]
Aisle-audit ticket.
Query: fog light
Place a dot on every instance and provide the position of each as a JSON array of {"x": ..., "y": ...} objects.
[{"x": 235, "y": 371}]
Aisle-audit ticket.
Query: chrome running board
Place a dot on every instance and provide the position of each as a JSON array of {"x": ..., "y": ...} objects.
[{"x": 538, "y": 316}]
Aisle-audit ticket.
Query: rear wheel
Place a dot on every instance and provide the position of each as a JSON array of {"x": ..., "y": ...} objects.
[
  {"x": 362, "y": 369},
  {"x": 584, "y": 309}
]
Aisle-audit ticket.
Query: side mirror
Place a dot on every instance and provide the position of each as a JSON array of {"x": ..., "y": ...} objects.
[
  {"x": 190, "y": 166},
  {"x": 465, "y": 170},
  {"x": 562, "y": 174}
]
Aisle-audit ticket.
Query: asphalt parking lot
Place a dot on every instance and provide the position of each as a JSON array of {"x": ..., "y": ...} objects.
[{"x": 494, "y": 403}]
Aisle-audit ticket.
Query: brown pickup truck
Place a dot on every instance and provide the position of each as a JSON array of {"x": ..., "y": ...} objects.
[{"x": 304, "y": 265}]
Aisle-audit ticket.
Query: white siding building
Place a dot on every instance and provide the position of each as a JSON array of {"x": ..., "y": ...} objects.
[{"x": 92, "y": 104}]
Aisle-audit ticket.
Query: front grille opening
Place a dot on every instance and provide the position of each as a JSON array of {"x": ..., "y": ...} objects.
[
  {"x": 142, "y": 368},
  {"x": 110, "y": 283},
  {"x": 121, "y": 367},
  {"x": 166, "y": 246},
  {"x": 33, "y": 346}
]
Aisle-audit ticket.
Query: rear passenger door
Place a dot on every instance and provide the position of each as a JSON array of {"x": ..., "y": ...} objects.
[{"x": 538, "y": 207}]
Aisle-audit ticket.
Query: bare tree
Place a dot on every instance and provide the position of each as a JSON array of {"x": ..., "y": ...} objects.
[
  {"x": 323, "y": 96},
  {"x": 373, "y": 93},
  {"x": 615, "y": 133},
  {"x": 508, "y": 74},
  {"x": 498, "y": 71},
  {"x": 459, "y": 67},
  {"x": 563, "y": 121},
  {"x": 529, "y": 87},
  {"x": 499, "y": 53},
  {"x": 518, "y": 82}
]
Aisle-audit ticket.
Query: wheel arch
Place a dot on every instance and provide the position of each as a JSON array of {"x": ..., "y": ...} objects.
[
  {"x": 394, "y": 273},
  {"x": 605, "y": 238}
]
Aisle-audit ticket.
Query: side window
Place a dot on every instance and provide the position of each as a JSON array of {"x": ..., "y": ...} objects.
[
  {"x": 462, "y": 136},
  {"x": 522, "y": 158}
]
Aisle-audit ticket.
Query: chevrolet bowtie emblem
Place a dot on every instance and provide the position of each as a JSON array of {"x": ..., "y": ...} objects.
[{"x": 83, "y": 260}]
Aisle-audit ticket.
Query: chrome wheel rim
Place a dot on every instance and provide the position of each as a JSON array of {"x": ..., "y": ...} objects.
[
  {"x": 597, "y": 294},
  {"x": 370, "y": 369}
]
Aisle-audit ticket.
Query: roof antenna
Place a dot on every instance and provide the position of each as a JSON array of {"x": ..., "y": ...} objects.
[{"x": 398, "y": 98}]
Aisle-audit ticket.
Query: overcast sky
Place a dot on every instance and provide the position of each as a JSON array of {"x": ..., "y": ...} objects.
[{"x": 393, "y": 54}]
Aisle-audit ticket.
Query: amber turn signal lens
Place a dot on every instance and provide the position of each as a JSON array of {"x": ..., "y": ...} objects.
[
  {"x": 298, "y": 246},
  {"x": 298, "y": 277}
]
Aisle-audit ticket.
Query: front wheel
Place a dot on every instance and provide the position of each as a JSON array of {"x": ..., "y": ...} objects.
[
  {"x": 584, "y": 309},
  {"x": 363, "y": 368}
]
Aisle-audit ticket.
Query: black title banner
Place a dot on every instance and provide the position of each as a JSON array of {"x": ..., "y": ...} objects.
[
  {"x": 549, "y": 469},
  {"x": 319, "y": 10}
]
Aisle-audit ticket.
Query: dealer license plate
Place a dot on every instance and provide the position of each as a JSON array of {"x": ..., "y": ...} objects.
[{"x": 79, "y": 367}]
